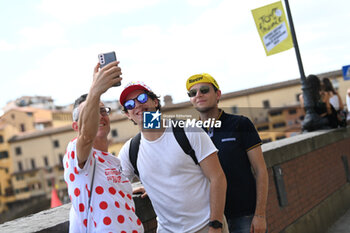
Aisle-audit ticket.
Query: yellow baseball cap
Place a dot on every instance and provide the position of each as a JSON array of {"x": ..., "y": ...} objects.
[{"x": 201, "y": 78}]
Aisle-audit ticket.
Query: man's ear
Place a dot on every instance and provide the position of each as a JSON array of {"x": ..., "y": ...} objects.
[
  {"x": 75, "y": 126},
  {"x": 218, "y": 95},
  {"x": 157, "y": 103}
]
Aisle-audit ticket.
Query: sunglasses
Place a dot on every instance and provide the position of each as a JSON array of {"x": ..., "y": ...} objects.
[
  {"x": 141, "y": 98},
  {"x": 202, "y": 89},
  {"x": 105, "y": 111}
]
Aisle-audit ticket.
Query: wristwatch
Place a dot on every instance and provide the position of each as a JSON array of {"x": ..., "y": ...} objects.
[{"x": 215, "y": 224}]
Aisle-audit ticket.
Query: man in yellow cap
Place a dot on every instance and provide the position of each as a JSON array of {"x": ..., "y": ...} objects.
[{"x": 239, "y": 148}]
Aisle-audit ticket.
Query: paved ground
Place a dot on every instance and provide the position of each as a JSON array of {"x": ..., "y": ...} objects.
[{"x": 342, "y": 225}]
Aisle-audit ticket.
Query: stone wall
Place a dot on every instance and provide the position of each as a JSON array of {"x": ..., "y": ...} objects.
[{"x": 314, "y": 188}]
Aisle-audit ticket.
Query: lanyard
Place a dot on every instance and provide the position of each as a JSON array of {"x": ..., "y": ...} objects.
[{"x": 91, "y": 191}]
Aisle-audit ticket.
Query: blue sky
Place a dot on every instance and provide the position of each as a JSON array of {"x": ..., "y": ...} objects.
[{"x": 49, "y": 47}]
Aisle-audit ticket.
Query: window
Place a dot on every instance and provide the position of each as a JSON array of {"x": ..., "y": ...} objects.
[
  {"x": 23, "y": 128},
  {"x": 18, "y": 150},
  {"x": 114, "y": 133},
  {"x": 20, "y": 167},
  {"x": 56, "y": 143},
  {"x": 262, "y": 128},
  {"x": 39, "y": 126},
  {"x": 291, "y": 123},
  {"x": 4, "y": 154},
  {"x": 1, "y": 139},
  {"x": 276, "y": 113},
  {"x": 292, "y": 111},
  {"x": 46, "y": 161},
  {"x": 266, "y": 140},
  {"x": 32, "y": 161},
  {"x": 279, "y": 125},
  {"x": 280, "y": 137},
  {"x": 26, "y": 189},
  {"x": 266, "y": 104},
  {"x": 13, "y": 116},
  {"x": 234, "y": 110},
  {"x": 60, "y": 162},
  {"x": 297, "y": 97}
]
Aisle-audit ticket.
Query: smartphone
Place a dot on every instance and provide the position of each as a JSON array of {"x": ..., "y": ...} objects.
[{"x": 105, "y": 59}]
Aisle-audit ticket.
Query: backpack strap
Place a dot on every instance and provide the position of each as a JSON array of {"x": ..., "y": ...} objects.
[
  {"x": 180, "y": 137},
  {"x": 183, "y": 141},
  {"x": 134, "y": 150}
]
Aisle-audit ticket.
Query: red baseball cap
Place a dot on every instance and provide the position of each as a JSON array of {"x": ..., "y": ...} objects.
[{"x": 130, "y": 87}]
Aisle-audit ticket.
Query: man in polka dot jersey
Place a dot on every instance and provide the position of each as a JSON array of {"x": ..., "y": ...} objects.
[
  {"x": 111, "y": 208},
  {"x": 187, "y": 198}
]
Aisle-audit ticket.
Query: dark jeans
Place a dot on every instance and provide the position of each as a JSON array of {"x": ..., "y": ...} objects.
[{"x": 240, "y": 224}]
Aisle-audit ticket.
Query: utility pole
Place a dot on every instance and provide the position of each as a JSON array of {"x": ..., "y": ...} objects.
[{"x": 312, "y": 120}]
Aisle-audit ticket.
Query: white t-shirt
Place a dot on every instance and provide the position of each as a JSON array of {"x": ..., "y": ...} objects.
[
  {"x": 176, "y": 186},
  {"x": 112, "y": 208},
  {"x": 334, "y": 100}
]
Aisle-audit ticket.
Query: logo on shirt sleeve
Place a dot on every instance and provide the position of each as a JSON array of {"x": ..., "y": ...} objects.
[{"x": 228, "y": 139}]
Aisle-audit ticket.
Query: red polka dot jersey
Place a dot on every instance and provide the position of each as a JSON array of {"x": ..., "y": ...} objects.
[{"x": 112, "y": 208}]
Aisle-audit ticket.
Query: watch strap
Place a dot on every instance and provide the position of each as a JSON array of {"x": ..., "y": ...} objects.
[{"x": 215, "y": 224}]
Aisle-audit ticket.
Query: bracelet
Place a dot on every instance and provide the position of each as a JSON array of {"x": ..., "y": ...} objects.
[{"x": 259, "y": 216}]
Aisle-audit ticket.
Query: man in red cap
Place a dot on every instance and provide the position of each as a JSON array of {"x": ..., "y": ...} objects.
[
  {"x": 239, "y": 150},
  {"x": 186, "y": 197}
]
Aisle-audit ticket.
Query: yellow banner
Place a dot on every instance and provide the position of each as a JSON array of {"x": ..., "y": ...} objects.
[{"x": 273, "y": 28}]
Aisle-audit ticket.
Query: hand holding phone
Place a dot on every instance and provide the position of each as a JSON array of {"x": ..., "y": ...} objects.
[{"x": 105, "y": 59}]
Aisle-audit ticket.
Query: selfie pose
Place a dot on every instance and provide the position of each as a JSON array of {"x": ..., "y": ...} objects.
[{"x": 101, "y": 195}]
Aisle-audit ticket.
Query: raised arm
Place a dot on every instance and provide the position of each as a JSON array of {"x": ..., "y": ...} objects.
[{"x": 89, "y": 110}]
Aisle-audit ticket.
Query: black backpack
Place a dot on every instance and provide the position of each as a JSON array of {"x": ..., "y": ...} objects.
[{"x": 180, "y": 137}]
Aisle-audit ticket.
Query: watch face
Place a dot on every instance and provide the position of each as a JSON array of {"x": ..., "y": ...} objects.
[{"x": 215, "y": 224}]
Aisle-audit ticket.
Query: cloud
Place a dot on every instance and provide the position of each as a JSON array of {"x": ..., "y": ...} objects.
[
  {"x": 216, "y": 42},
  {"x": 64, "y": 74},
  {"x": 199, "y": 2},
  {"x": 78, "y": 11},
  {"x": 47, "y": 34},
  {"x": 5, "y": 46},
  {"x": 222, "y": 41}
]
